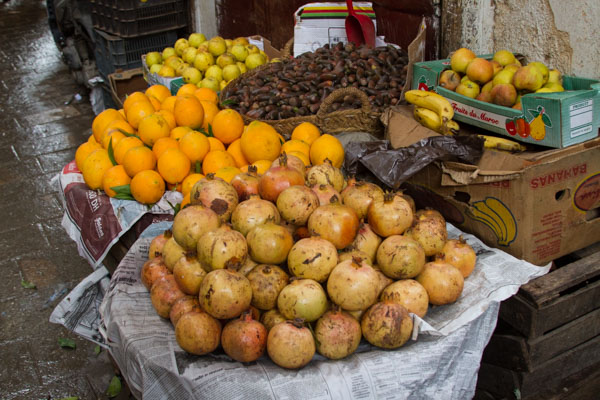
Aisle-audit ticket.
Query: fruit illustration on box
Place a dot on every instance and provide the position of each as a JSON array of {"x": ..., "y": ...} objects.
[
  {"x": 539, "y": 123},
  {"x": 496, "y": 216},
  {"x": 523, "y": 128},
  {"x": 511, "y": 127}
]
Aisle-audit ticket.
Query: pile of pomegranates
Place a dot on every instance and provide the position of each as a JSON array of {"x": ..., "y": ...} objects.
[{"x": 300, "y": 260}]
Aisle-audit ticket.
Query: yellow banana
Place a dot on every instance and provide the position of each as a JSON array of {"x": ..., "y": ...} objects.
[
  {"x": 431, "y": 101},
  {"x": 431, "y": 120},
  {"x": 486, "y": 215},
  {"x": 509, "y": 220},
  {"x": 497, "y": 143}
]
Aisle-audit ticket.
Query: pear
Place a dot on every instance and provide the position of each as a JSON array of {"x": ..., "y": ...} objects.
[
  {"x": 497, "y": 67},
  {"x": 528, "y": 78},
  {"x": 460, "y": 59},
  {"x": 504, "y": 57},
  {"x": 543, "y": 69},
  {"x": 554, "y": 76}
]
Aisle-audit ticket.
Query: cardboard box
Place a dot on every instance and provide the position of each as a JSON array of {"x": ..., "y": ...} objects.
[
  {"x": 175, "y": 83},
  {"x": 123, "y": 83},
  {"x": 549, "y": 119},
  {"x": 537, "y": 206}
]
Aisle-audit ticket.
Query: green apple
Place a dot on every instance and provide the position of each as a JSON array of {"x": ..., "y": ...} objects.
[
  {"x": 242, "y": 67},
  {"x": 215, "y": 72},
  {"x": 468, "y": 88},
  {"x": 180, "y": 45},
  {"x": 196, "y": 39},
  {"x": 155, "y": 68},
  {"x": 189, "y": 54},
  {"x": 225, "y": 59},
  {"x": 231, "y": 72},
  {"x": 166, "y": 71},
  {"x": 203, "y": 61},
  {"x": 191, "y": 75},
  {"x": 217, "y": 46},
  {"x": 504, "y": 57},
  {"x": 239, "y": 52},
  {"x": 180, "y": 68},
  {"x": 254, "y": 60},
  {"x": 252, "y": 49},
  {"x": 554, "y": 76},
  {"x": 153, "y": 57},
  {"x": 168, "y": 52},
  {"x": 210, "y": 83}
]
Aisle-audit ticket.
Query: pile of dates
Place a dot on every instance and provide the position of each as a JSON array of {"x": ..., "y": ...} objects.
[{"x": 296, "y": 87}]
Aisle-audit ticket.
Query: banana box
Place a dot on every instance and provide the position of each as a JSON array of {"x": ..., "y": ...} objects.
[
  {"x": 554, "y": 120},
  {"x": 536, "y": 206}
]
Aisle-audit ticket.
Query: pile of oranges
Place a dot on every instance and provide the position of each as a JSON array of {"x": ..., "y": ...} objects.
[{"x": 159, "y": 142}]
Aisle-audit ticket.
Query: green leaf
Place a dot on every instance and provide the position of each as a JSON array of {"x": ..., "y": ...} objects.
[
  {"x": 546, "y": 120},
  {"x": 27, "y": 285},
  {"x": 67, "y": 343},
  {"x": 198, "y": 167},
  {"x": 210, "y": 132},
  {"x": 124, "y": 132},
  {"x": 176, "y": 209},
  {"x": 111, "y": 153},
  {"x": 114, "y": 388},
  {"x": 228, "y": 102},
  {"x": 123, "y": 192},
  {"x": 97, "y": 349}
]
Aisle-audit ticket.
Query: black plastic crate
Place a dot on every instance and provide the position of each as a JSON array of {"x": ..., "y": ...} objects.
[{"x": 114, "y": 53}]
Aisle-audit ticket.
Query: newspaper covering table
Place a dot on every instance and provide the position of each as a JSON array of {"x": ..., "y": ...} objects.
[{"x": 440, "y": 362}]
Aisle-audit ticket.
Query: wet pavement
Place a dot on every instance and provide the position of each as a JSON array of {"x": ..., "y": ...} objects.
[{"x": 39, "y": 133}]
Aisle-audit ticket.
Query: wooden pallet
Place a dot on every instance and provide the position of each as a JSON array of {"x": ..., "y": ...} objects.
[{"x": 547, "y": 334}]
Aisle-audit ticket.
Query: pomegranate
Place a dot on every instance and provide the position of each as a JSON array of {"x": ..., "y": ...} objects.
[
  {"x": 408, "y": 293},
  {"x": 359, "y": 195},
  {"x": 301, "y": 232},
  {"x": 271, "y": 318},
  {"x": 296, "y": 203},
  {"x": 216, "y": 194},
  {"x": 387, "y": 325},
  {"x": 353, "y": 285},
  {"x": 460, "y": 254},
  {"x": 312, "y": 258},
  {"x": 244, "y": 339},
  {"x": 326, "y": 174},
  {"x": 198, "y": 333},
  {"x": 384, "y": 281},
  {"x": 188, "y": 273},
  {"x": 266, "y": 282},
  {"x": 290, "y": 344},
  {"x": 183, "y": 305},
  {"x": 164, "y": 293},
  {"x": 325, "y": 193},
  {"x": 292, "y": 161},
  {"x": 278, "y": 178},
  {"x": 222, "y": 246},
  {"x": 225, "y": 293},
  {"x": 158, "y": 242},
  {"x": 350, "y": 252},
  {"x": 191, "y": 223},
  {"x": 172, "y": 252},
  {"x": 253, "y": 212},
  {"x": 400, "y": 257},
  {"x": 430, "y": 213},
  {"x": 443, "y": 282},
  {"x": 391, "y": 215},
  {"x": 357, "y": 315},
  {"x": 302, "y": 298},
  {"x": 430, "y": 234},
  {"x": 367, "y": 241},
  {"x": 269, "y": 243},
  {"x": 337, "y": 334},
  {"x": 335, "y": 222},
  {"x": 246, "y": 183},
  {"x": 247, "y": 267},
  {"x": 152, "y": 270}
]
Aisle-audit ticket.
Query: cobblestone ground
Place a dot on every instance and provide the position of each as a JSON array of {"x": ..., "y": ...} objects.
[{"x": 40, "y": 130}]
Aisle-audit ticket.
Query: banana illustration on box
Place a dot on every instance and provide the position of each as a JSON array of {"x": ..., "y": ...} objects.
[{"x": 494, "y": 214}]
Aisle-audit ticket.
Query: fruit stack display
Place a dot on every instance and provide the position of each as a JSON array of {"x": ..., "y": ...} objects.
[
  {"x": 300, "y": 260},
  {"x": 501, "y": 80},
  {"x": 297, "y": 87},
  {"x": 206, "y": 63}
]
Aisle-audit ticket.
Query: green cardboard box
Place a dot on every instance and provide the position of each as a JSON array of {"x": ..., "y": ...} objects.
[{"x": 555, "y": 120}]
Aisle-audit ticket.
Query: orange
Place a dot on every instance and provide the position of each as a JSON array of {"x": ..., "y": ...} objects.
[
  {"x": 122, "y": 112},
  {"x": 307, "y": 132},
  {"x": 163, "y": 144},
  {"x": 153, "y": 127},
  {"x": 93, "y": 168},
  {"x": 187, "y": 89},
  {"x": 173, "y": 166},
  {"x": 227, "y": 125},
  {"x": 260, "y": 141},
  {"x": 102, "y": 120},
  {"x": 169, "y": 117},
  {"x": 206, "y": 94},
  {"x": 83, "y": 151},
  {"x": 296, "y": 145},
  {"x": 303, "y": 157},
  {"x": 138, "y": 159},
  {"x": 194, "y": 145},
  {"x": 123, "y": 146},
  {"x": 132, "y": 99},
  {"x": 235, "y": 149},
  {"x": 114, "y": 176},
  {"x": 327, "y": 146},
  {"x": 210, "y": 110},
  {"x": 185, "y": 201},
  {"x": 92, "y": 139},
  {"x": 188, "y": 112},
  {"x": 216, "y": 159},
  {"x": 155, "y": 103},
  {"x": 180, "y": 131},
  {"x": 118, "y": 125},
  {"x": 168, "y": 103},
  {"x": 215, "y": 144},
  {"x": 147, "y": 187},
  {"x": 262, "y": 166},
  {"x": 189, "y": 182},
  {"x": 112, "y": 138},
  {"x": 137, "y": 112},
  {"x": 160, "y": 92},
  {"x": 227, "y": 173}
]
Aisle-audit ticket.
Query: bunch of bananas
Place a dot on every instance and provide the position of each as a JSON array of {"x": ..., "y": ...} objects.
[{"x": 435, "y": 112}]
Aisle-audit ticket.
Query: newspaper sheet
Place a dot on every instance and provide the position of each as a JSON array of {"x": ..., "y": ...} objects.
[{"x": 441, "y": 362}]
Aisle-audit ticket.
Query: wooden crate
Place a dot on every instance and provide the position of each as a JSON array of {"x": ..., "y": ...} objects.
[{"x": 547, "y": 341}]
